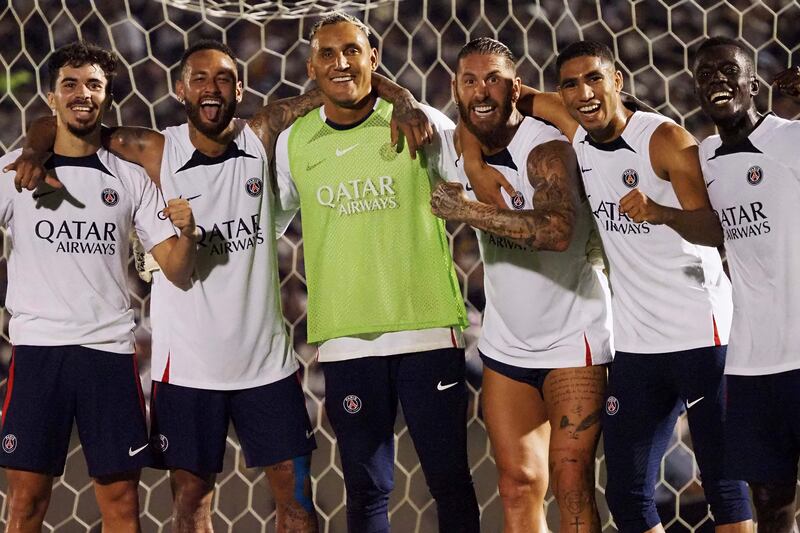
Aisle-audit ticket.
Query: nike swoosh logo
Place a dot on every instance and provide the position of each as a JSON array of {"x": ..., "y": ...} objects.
[
  {"x": 38, "y": 195},
  {"x": 709, "y": 183},
  {"x": 439, "y": 385},
  {"x": 193, "y": 197},
  {"x": 690, "y": 404},
  {"x": 309, "y": 434},
  {"x": 340, "y": 153},
  {"x": 469, "y": 187},
  {"x": 586, "y": 169},
  {"x": 315, "y": 165},
  {"x": 132, "y": 452}
]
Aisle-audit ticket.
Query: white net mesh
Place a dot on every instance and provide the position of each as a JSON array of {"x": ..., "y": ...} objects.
[{"x": 419, "y": 41}]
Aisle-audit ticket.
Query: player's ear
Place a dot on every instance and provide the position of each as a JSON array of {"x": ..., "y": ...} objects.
[
  {"x": 310, "y": 71},
  {"x": 239, "y": 92},
  {"x": 754, "y": 86},
  {"x": 516, "y": 88},
  {"x": 180, "y": 91},
  {"x": 454, "y": 90},
  {"x": 618, "y": 81},
  {"x": 373, "y": 58},
  {"x": 51, "y": 100}
]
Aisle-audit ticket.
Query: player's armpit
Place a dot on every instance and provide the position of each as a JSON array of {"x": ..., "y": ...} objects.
[{"x": 276, "y": 116}]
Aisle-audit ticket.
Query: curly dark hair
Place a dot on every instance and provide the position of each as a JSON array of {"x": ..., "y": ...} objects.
[{"x": 82, "y": 53}]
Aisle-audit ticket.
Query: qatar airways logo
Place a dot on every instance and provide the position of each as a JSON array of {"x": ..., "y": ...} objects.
[
  {"x": 742, "y": 221},
  {"x": 229, "y": 236},
  {"x": 78, "y": 236},
  {"x": 359, "y": 196},
  {"x": 609, "y": 218}
]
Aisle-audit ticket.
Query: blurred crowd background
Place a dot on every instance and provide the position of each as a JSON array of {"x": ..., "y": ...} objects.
[{"x": 418, "y": 42}]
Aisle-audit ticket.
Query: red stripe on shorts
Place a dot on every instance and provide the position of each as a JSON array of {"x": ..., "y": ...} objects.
[
  {"x": 165, "y": 375},
  {"x": 716, "y": 332},
  {"x": 9, "y": 387},
  {"x": 139, "y": 384},
  {"x": 588, "y": 351}
]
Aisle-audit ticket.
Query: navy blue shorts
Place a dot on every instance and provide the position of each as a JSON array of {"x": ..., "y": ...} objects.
[
  {"x": 50, "y": 386},
  {"x": 531, "y": 376},
  {"x": 762, "y": 420},
  {"x": 646, "y": 394},
  {"x": 361, "y": 399},
  {"x": 189, "y": 426}
]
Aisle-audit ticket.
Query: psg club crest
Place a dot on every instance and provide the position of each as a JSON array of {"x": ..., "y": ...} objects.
[
  {"x": 755, "y": 175},
  {"x": 162, "y": 442},
  {"x": 9, "y": 443},
  {"x": 612, "y": 405},
  {"x": 518, "y": 201},
  {"x": 630, "y": 178},
  {"x": 110, "y": 197},
  {"x": 254, "y": 186},
  {"x": 352, "y": 404}
]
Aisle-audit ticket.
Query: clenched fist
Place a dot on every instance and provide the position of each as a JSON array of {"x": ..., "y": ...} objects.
[
  {"x": 180, "y": 214},
  {"x": 640, "y": 208},
  {"x": 448, "y": 200}
]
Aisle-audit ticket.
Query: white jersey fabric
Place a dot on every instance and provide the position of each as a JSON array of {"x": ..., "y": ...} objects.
[
  {"x": 754, "y": 188},
  {"x": 668, "y": 295},
  {"x": 68, "y": 264},
  {"x": 391, "y": 343},
  {"x": 543, "y": 309},
  {"x": 226, "y": 331}
]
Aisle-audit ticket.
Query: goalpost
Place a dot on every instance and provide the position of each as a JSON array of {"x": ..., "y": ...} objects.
[{"x": 418, "y": 41}]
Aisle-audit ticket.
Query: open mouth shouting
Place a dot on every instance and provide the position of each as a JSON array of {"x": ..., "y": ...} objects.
[
  {"x": 589, "y": 110},
  {"x": 211, "y": 108}
]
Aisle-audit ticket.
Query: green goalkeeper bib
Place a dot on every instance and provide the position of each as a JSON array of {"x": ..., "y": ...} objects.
[{"x": 376, "y": 259}]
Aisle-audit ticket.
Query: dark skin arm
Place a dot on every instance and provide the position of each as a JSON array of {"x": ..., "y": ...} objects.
[
  {"x": 673, "y": 153},
  {"x": 552, "y": 170},
  {"x": 788, "y": 83}
]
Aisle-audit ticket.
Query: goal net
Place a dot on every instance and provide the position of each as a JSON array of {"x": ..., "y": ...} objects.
[{"x": 418, "y": 41}]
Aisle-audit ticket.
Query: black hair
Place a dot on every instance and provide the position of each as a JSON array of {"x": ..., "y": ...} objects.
[
  {"x": 206, "y": 44},
  {"x": 713, "y": 42},
  {"x": 82, "y": 53},
  {"x": 486, "y": 46},
  {"x": 336, "y": 17},
  {"x": 582, "y": 49}
]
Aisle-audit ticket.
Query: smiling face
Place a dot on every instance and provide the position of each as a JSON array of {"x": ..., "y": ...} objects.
[
  {"x": 590, "y": 88},
  {"x": 724, "y": 83},
  {"x": 485, "y": 89},
  {"x": 80, "y": 98},
  {"x": 341, "y": 63},
  {"x": 209, "y": 90}
]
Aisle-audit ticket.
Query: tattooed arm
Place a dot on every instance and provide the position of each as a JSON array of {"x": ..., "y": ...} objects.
[
  {"x": 137, "y": 145},
  {"x": 275, "y": 117},
  {"x": 548, "y": 226},
  {"x": 142, "y": 146},
  {"x": 408, "y": 117}
]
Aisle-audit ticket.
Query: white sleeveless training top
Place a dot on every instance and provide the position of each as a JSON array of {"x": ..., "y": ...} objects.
[
  {"x": 225, "y": 332},
  {"x": 668, "y": 295},
  {"x": 754, "y": 188},
  {"x": 543, "y": 309}
]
